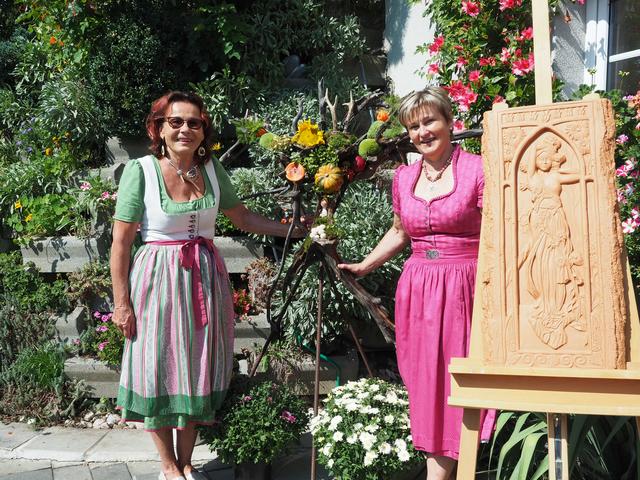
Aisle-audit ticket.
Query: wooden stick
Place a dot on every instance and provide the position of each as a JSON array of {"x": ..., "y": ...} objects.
[{"x": 542, "y": 52}]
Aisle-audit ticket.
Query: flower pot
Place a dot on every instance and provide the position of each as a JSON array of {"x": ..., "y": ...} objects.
[{"x": 252, "y": 471}]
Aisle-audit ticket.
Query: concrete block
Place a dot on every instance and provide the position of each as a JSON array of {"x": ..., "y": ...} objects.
[
  {"x": 65, "y": 254},
  {"x": 238, "y": 252},
  {"x": 45, "y": 474},
  {"x": 71, "y": 325},
  {"x": 115, "y": 471},
  {"x": 102, "y": 379},
  {"x": 121, "y": 150},
  {"x": 250, "y": 332},
  {"x": 109, "y": 172},
  {"x": 9, "y": 467},
  {"x": 74, "y": 472},
  {"x": 13, "y": 435},
  {"x": 116, "y": 445},
  {"x": 143, "y": 470},
  {"x": 62, "y": 444}
]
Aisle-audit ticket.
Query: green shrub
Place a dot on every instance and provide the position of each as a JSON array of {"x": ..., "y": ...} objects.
[
  {"x": 41, "y": 367},
  {"x": 29, "y": 291},
  {"x": 90, "y": 282},
  {"x": 258, "y": 425},
  {"x": 126, "y": 71}
]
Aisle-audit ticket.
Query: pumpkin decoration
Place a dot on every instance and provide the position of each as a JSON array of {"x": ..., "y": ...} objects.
[
  {"x": 294, "y": 172},
  {"x": 329, "y": 178}
]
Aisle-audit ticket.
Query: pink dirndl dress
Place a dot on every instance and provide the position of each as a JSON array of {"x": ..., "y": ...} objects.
[{"x": 434, "y": 298}]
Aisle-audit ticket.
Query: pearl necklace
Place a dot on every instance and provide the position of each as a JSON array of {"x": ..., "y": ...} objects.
[{"x": 439, "y": 173}]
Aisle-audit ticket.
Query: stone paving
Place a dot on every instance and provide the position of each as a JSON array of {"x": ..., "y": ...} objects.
[{"x": 59, "y": 453}]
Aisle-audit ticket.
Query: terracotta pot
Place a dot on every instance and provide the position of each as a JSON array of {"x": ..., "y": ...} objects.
[{"x": 252, "y": 471}]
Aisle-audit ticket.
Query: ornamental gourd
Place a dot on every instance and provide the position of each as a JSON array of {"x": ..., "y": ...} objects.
[{"x": 329, "y": 178}]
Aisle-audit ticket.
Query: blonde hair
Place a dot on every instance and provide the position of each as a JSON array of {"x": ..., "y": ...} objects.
[{"x": 429, "y": 97}]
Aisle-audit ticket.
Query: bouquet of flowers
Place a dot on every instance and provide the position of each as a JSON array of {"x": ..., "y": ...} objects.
[{"x": 363, "y": 431}]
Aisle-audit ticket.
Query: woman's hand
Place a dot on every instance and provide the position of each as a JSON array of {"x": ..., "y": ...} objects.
[
  {"x": 358, "y": 269},
  {"x": 125, "y": 320}
]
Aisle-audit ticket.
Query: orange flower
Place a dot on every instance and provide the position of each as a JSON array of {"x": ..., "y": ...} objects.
[
  {"x": 382, "y": 115},
  {"x": 52, "y": 40},
  {"x": 60, "y": 43}
]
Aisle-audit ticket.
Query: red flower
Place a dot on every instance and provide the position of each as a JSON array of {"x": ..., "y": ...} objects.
[
  {"x": 474, "y": 76},
  {"x": 470, "y": 8},
  {"x": 53, "y": 40},
  {"x": 522, "y": 66},
  {"x": 509, "y": 4},
  {"x": 487, "y": 61},
  {"x": 359, "y": 164},
  {"x": 526, "y": 34},
  {"x": 462, "y": 62},
  {"x": 498, "y": 99},
  {"x": 436, "y": 45},
  {"x": 433, "y": 69},
  {"x": 458, "y": 126}
]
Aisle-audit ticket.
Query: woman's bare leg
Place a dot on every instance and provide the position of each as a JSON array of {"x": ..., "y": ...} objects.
[
  {"x": 439, "y": 467},
  {"x": 164, "y": 443},
  {"x": 186, "y": 442}
]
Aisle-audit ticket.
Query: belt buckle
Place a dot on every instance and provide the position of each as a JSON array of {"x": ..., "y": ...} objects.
[{"x": 432, "y": 254}]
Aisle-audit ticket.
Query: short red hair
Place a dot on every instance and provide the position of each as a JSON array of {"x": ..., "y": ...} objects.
[{"x": 157, "y": 116}]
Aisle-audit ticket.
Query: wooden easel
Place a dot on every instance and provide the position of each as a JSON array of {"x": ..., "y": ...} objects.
[{"x": 556, "y": 391}]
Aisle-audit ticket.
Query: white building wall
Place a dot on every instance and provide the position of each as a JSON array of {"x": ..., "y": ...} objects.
[
  {"x": 568, "y": 45},
  {"x": 405, "y": 29}
]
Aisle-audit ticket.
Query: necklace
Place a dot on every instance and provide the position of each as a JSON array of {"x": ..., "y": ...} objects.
[
  {"x": 191, "y": 174},
  {"x": 439, "y": 173}
]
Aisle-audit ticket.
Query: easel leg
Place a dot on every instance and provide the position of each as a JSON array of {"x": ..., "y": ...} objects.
[
  {"x": 558, "y": 446},
  {"x": 469, "y": 437},
  {"x": 316, "y": 385}
]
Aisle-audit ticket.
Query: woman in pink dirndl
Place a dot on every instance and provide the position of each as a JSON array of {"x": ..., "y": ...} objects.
[
  {"x": 173, "y": 299},
  {"x": 437, "y": 205}
]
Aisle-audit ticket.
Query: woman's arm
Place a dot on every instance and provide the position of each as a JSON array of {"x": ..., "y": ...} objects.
[
  {"x": 123, "y": 235},
  {"x": 244, "y": 219},
  {"x": 390, "y": 245}
]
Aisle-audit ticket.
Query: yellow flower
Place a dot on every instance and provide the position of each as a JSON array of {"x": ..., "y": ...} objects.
[
  {"x": 18, "y": 204},
  {"x": 216, "y": 146},
  {"x": 28, "y": 218},
  {"x": 48, "y": 151},
  {"x": 308, "y": 134}
]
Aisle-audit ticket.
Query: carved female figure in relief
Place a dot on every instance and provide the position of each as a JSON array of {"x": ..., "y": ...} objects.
[{"x": 549, "y": 259}]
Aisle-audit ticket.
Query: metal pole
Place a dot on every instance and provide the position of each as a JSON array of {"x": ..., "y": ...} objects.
[{"x": 316, "y": 386}]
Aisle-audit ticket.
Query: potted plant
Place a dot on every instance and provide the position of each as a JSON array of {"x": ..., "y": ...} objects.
[
  {"x": 363, "y": 431},
  {"x": 257, "y": 426}
]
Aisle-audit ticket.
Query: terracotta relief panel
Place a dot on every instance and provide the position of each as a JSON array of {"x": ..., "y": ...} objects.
[{"x": 551, "y": 284}]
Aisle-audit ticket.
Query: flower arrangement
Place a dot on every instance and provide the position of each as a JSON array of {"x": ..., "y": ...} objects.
[
  {"x": 363, "y": 431},
  {"x": 241, "y": 303},
  {"x": 258, "y": 425}
]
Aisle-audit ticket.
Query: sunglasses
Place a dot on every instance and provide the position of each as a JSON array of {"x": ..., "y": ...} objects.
[{"x": 177, "y": 122}]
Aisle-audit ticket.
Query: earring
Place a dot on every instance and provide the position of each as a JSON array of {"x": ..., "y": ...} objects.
[
  {"x": 162, "y": 152},
  {"x": 201, "y": 151}
]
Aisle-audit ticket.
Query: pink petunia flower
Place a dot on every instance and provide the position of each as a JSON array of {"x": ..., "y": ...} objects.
[
  {"x": 622, "y": 139},
  {"x": 101, "y": 328},
  {"x": 85, "y": 186},
  {"x": 105, "y": 196},
  {"x": 635, "y": 213},
  {"x": 629, "y": 226},
  {"x": 247, "y": 398},
  {"x": 101, "y": 345},
  {"x": 470, "y": 8},
  {"x": 105, "y": 318},
  {"x": 97, "y": 314},
  {"x": 620, "y": 196}
]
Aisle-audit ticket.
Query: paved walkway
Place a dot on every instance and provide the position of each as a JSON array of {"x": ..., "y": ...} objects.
[{"x": 60, "y": 453}]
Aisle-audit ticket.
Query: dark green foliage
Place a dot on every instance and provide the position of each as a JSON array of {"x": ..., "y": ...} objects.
[
  {"x": 90, "y": 282},
  {"x": 125, "y": 72},
  {"x": 27, "y": 288}
]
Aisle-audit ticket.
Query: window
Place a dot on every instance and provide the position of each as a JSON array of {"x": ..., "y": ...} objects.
[
  {"x": 623, "y": 71},
  {"x": 612, "y": 44}
]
